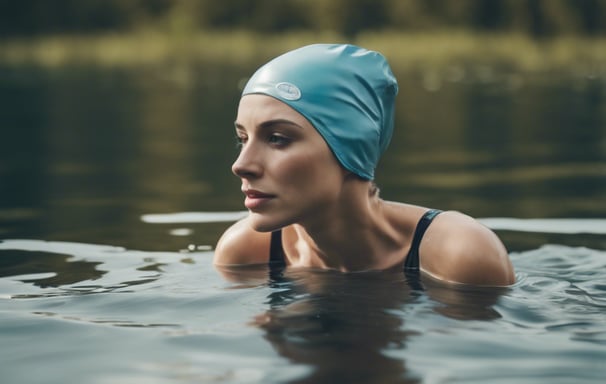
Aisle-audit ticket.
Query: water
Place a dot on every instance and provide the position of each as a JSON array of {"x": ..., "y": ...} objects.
[
  {"x": 115, "y": 185},
  {"x": 101, "y": 314}
]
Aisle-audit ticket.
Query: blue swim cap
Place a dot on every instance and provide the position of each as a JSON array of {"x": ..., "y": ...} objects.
[{"x": 346, "y": 92}]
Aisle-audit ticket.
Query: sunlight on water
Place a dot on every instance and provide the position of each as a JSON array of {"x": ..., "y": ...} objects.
[
  {"x": 193, "y": 217},
  {"x": 564, "y": 226}
]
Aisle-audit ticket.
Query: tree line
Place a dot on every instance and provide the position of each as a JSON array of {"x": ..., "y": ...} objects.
[{"x": 538, "y": 18}]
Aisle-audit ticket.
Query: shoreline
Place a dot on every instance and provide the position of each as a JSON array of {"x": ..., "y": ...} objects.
[{"x": 407, "y": 51}]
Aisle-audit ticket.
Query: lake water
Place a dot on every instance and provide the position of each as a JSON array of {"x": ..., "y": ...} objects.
[{"x": 115, "y": 185}]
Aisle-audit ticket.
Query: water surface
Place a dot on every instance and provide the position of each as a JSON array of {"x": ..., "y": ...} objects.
[
  {"x": 115, "y": 185},
  {"x": 101, "y": 314}
]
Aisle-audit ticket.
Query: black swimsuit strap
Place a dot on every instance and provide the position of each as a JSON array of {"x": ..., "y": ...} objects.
[
  {"x": 277, "y": 258},
  {"x": 412, "y": 259}
]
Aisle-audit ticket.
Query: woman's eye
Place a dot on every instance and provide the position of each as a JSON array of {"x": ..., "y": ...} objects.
[
  {"x": 278, "y": 140},
  {"x": 240, "y": 141}
]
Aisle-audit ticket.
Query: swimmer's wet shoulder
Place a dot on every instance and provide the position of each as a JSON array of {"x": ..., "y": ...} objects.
[
  {"x": 454, "y": 248},
  {"x": 240, "y": 244}
]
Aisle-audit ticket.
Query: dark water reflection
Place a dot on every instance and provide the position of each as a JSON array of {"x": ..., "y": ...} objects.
[
  {"x": 60, "y": 269},
  {"x": 85, "y": 152},
  {"x": 329, "y": 320}
]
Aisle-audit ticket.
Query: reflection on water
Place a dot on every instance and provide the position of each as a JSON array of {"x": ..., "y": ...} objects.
[
  {"x": 169, "y": 317},
  {"x": 329, "y": 320},
  {"x": 30, "y": 265},
  {"x": 86, "y": 152}
]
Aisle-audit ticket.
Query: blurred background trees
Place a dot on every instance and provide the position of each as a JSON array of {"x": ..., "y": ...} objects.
[{"x": 538, "y": 18}]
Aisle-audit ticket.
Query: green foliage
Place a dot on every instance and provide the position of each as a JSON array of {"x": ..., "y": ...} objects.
[{"x": 540, "y": 18}]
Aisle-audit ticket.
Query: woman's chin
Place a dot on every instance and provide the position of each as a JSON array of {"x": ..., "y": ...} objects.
[{"x": 263, "y": 223}]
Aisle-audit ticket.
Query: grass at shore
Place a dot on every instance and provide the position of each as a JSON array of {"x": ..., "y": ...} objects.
[{"x": 406, "y": 50}]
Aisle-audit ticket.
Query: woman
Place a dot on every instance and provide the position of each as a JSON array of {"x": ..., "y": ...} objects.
[{"x": 312, "y": 125}]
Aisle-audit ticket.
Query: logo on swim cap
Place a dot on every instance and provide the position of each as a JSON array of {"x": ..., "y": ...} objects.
[{"x": 288, "y": 91}]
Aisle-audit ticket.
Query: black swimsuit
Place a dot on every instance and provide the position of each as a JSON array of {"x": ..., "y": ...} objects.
[{"x": 277, "y": 258}]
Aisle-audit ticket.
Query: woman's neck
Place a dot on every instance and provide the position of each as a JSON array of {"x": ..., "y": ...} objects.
[{"x": 353, "y": 235}]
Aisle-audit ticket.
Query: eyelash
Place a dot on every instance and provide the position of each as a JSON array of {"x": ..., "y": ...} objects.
[
  {"x": 273, "y": 139},
  {"x": 240, "y": 141},
  {"x": 278, "y": 140}
]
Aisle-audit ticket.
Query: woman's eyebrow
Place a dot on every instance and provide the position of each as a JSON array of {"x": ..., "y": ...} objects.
[{"x": 270, "y": 123}]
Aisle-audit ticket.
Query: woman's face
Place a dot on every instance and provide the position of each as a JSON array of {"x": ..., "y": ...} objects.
[{"x": 288, "y": 173}]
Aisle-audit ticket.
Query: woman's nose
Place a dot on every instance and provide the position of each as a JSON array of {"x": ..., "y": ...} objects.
[{"x": 248, "y": 163}]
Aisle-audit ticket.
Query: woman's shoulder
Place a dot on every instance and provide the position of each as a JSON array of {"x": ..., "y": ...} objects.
[
  {"x": 240, "y": 244},
  {"x": 456, "y": 247},
  {"x": 460, "y": 249}
]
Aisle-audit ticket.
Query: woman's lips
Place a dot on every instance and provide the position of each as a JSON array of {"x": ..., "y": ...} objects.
[{"x": 256, "y": 199}]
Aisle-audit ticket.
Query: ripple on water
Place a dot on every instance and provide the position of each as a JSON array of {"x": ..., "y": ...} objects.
[{"x": 170, "y": 317}]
